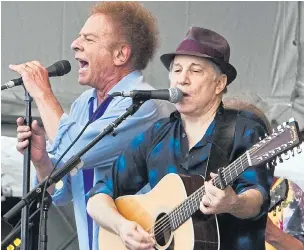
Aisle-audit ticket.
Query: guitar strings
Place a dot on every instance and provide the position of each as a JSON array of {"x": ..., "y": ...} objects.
[
  {"x": 164, "y": 220},
  {"x": 163, "y": 225},
  {"x": 200, "y": 191},
  {"x": 226, "y": 172}
]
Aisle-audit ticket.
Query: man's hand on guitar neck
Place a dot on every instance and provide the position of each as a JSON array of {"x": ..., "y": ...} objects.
[{"x": 217, "y": 201}]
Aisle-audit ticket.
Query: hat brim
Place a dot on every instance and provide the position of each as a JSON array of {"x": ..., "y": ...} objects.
[{"x": 226, "y": 68}]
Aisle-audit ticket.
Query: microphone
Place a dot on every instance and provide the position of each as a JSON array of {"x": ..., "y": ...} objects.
[
  {"x": 173, "y": 95},
  {"x": 59, "y": 68}
]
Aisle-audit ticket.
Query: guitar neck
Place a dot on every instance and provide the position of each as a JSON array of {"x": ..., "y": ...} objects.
[{"x": 228, "y": 175}]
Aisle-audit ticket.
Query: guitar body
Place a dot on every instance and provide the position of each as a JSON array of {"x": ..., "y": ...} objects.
[
  {"x": 276, "y": 221},
  {"x": 276, "y": 215},
  {"x": 200, "y": 232}
]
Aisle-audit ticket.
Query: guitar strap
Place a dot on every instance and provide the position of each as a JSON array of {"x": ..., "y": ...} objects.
[{"x": 222, "y": 140}]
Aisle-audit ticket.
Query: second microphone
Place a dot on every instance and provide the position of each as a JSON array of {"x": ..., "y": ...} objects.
[{"x": 173, "y": 95}]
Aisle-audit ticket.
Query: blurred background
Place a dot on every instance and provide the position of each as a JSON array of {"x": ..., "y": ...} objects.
[{"x": 267, "y": 49}]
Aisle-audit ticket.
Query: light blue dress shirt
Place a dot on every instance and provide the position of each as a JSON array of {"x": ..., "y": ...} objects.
[{"x": 105, "y": 152}]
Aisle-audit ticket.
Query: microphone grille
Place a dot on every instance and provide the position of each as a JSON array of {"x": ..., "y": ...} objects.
[
  {"x": 59, "y": 68},
  {"x": 176, "y": 95},
  {"x": 63, "y": 67}
]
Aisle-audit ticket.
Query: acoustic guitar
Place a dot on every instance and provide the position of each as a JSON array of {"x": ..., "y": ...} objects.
[{"x": 169, "y": 210}]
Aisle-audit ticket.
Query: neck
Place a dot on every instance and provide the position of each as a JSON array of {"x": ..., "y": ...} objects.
[
  {"x": 198, "y": 121},
  {"x": 110, "y": 82}
]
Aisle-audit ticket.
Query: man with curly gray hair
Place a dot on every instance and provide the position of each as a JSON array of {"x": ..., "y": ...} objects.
[{"x": 115, "y": 44}]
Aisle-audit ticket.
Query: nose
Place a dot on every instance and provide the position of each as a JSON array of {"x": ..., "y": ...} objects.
[
  {"x": 77, "y": 45},
  {"x": 182, "y": 78}
]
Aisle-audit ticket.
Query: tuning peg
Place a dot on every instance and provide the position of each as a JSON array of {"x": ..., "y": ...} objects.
[
  {"x": 273, "y": 163},
  {"x": 292, "y": 152},
  {"x": 286, "y": 156},
  {"x": 268, "y": 166},
  {"x": 280, "y": 128},
  {"x": 299, "y": 150},
  {"x": 260, "y": 138},
  {"x": 280, "y": 158}
]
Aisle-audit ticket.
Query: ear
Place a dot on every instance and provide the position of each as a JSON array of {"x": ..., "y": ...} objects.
[
  {"x": 121, "y": 54},
  {"x": 221, "y": 84}
]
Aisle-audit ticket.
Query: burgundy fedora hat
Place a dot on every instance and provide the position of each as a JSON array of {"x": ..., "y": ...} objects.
[{"x": 207, "y": 44}]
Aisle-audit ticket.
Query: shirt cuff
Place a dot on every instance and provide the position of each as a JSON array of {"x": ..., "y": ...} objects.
[{"x": 101, "y": 188}]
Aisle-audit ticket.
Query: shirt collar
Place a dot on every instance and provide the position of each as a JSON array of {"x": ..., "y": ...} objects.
[
  {"x": 125, "y": 84},
  {"x": 209, "y": 132}
]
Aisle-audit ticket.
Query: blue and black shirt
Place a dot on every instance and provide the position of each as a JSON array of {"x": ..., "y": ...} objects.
[{"x": 163, "y": 149}]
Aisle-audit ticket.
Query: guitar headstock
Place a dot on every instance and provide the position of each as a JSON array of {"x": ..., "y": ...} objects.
[
  {"x": 278, "y": 194},
  {"x": 286, "y": 137}
]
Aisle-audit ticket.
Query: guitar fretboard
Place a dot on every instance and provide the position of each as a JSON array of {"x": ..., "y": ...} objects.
[{"x": 228, "y": 175}]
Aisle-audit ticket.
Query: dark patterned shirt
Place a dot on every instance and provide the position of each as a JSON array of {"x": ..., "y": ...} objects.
[{"x": 163, "y": 149}]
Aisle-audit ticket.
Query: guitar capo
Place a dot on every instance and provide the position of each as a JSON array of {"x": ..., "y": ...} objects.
[{"x": 220, "y": 177}]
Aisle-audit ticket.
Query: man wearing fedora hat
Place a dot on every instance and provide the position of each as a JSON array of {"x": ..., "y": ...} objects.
[{"x": 197, "y": 139}]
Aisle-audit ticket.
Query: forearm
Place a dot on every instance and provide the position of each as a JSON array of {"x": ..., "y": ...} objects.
[
  {"x": 283, "y": 241},
  {"x": 102, "y": 209},
  {"x": 44, "y": 169},
  {"x": 248, "y": 204},
  {"x": 50, "y": 111}
]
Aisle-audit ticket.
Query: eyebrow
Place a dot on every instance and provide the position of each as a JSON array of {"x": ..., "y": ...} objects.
[
  {"x": 88, "y": 34},
  {"x": 192, "y": 64}
]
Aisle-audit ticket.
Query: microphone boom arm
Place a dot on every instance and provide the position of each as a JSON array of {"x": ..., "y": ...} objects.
[{"x": 71, "y": 163}]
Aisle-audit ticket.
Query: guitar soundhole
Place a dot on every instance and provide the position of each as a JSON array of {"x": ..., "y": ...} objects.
[{"x": 162, "y": 230}]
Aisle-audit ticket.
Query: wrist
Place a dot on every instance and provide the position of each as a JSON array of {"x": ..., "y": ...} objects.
[
  {"x": 44, "y": 162},
  {"x": 45, "y": 95},
  {"x": 238, "y": 204},
  {"x": 119, "y": 223}
]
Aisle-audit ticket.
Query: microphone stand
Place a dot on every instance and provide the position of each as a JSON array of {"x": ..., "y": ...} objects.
[
  {"x": 73, "y": 162},
  {"x": 26, "y": 174},
  {"x": 46, "y": 203}
]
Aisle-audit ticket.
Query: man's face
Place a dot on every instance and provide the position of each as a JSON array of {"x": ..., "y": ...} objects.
[
  {"x": 196, "y": 77},
  {"x": 93, "y": 51}
]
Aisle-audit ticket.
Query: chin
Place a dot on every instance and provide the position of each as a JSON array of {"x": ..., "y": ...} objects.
[
  {"x": 184, "y": 109},
  {"x": 82, "y": 81}
]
